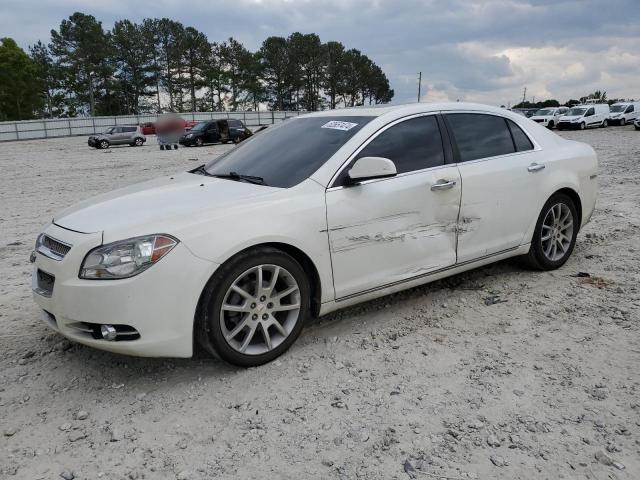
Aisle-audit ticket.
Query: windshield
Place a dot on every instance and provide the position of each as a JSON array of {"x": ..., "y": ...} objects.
[
  {"x": 576, "y": 111},
  {"x": 288, "y": 153},
  {"x": 109, "y": 130},
  {"x": 198, "y": 126},
  {"x": 618, "y": 108},
  {"x": 544, "y": 112}
]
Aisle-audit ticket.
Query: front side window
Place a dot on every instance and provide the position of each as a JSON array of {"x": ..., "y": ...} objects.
[
  {"x": 289, "y": 152},
  {"x": 630, "y": 109},
  {"x": 480, "y": 135},
  {"x": 590, "y": 112},
  {"x": 414, "y": 144}
]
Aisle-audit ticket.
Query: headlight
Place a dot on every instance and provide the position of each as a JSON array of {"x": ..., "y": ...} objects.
[
  {"x": 126, "y": 258},
  {"x": 189, "y": 135}
]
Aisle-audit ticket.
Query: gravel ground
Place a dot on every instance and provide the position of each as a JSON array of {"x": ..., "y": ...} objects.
[{"x": 435, "y": 382}]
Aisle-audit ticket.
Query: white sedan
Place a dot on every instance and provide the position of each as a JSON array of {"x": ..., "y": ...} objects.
[{"x": 317, "y": 213}]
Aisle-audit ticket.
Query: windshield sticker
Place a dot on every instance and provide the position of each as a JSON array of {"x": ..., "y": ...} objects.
[{"x": 336, "y": 125}]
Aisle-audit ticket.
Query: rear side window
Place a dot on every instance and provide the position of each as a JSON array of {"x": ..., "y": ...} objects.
[
  {"x": 412, "y": 145},
  {"x": 235, "y": 123},
  {"x": 129, "y": 129},
  {"x": 520, "y": 139},
  {"x": 478, "y": 135}
]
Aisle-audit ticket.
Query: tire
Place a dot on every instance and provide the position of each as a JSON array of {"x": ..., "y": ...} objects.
[
  {"x": 540, "y": 256},
  {"x": 104, "y": 144},
  {"x": 215, "y": 326},
  {"x": 198, "y": 142},
  {"x": 236, "y": 140},
  {"x": 161, "y": 147},
  {"x": 582, "y": 126},
  {"x": 175, "y": 147},
  {"x": 605, "y": 123},
  {"x": 138, "y": 142},
  {"x": 551, "y": 125},
  {"x": 623, "y": 122}
]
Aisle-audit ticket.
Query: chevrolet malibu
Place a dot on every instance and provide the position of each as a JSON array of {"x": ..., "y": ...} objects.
[{"x": 315, "y": 214}]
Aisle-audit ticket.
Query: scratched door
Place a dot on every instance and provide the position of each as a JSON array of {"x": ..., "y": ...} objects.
[{"x": 392, "y": 229}]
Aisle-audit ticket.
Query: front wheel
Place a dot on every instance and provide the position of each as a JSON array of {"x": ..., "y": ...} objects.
[
  {"x": 199, "y": 142},
  {"x": 550, "y": 125},
  {"x": 623, "y": 122},
  {"x": 253, "y": 308},
  {"x": 555, "y": 233},
  {"x": 582, "y": 126}
]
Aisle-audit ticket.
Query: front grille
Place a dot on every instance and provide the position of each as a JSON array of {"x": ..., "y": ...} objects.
[
  {"x": 539, "y": 120},
  {"x": 56, "y": 247},
  {"x": 45, "y": 283}
]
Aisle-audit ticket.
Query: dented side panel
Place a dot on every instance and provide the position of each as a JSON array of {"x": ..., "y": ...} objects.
[{"x": 392, "y": 229}]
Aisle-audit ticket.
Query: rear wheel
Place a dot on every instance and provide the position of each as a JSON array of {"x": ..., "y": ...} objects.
[
  {"x": 555, "y": 233},
  {"x": 605, "y": 123},
  {"x": 253, "y": 308},
  {"x": 138, "y": 142}
]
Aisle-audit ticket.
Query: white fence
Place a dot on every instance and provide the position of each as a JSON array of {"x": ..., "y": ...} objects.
[{"x": 66, "y": 127}]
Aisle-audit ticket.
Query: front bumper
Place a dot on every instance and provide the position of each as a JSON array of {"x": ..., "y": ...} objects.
[
  {"x": 187, "y": 142},
  {"x": 92, "y": 142},
  {"x": 160, "y": 303},
  {"x": 568, "y": 125}
]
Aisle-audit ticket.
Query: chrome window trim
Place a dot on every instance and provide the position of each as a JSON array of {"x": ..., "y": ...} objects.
[{"x": 536, "y": 146}]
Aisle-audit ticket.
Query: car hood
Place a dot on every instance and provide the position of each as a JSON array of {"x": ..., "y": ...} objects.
[
  {"x": 161, "y": 205},
  {"x": 541, "y": 117}
]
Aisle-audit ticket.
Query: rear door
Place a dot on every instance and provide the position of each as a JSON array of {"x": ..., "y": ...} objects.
[
  {"x": 387, "y": 231},
  {"x": 500, "y": 169}
]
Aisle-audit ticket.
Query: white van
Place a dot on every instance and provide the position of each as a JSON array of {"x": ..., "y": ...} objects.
[
  {"x": 549, "y": 116},
  {"x": 585, "y": 116},
  {"x": 624, "y": 112}
]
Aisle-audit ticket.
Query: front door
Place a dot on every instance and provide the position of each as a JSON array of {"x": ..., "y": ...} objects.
[{"x": 385, "y": 231}]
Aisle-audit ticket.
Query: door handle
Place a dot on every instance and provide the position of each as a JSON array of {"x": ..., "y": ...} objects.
[
  {"x": 535, "y": 167},
  {"x": 443, "y": 185}
]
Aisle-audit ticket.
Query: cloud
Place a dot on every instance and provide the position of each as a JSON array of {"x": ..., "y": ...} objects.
[{"x": 476, "y": 50}]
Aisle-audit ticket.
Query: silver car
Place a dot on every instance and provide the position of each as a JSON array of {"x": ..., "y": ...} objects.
[{"x": 120, "y": 135}]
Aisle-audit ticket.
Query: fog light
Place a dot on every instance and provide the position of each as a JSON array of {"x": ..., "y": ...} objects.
[{"x": 108, "y": 332}]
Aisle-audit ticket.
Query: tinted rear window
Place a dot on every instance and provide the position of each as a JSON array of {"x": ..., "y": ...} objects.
[
  {"x": 520, "y": 138},
  {"x": 480, "y": 136},
  {"x": 288, "y": 153}
]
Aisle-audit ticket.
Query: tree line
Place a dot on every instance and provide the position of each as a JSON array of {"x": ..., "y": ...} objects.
[{"x": 160, "y": 65}]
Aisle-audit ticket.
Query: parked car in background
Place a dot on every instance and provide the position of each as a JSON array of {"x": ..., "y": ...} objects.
[
  {"x": 314, "y": 214},
  {"x": 624, "y": 112},
  {"x": 549, "y": 116},
  {"x": 585, "y": 116},
  {"x": 149, "y": 128},
  {"x": 636, "y": 124},
  {"x": 216, "y": 131},
  {"x": 118, "y": 135}
]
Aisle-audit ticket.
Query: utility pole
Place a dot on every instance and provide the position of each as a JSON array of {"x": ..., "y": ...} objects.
[
  {"x": 419, "y": 85},
  {"x": 524, "y": 95}
]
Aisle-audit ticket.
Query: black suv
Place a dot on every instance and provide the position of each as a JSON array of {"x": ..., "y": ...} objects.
[{"x": 215, "y": 131}]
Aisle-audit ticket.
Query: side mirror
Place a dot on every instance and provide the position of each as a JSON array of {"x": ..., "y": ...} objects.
[{"x": 368, "y": 168}]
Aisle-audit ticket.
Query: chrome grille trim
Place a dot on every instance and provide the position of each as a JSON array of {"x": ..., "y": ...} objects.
[{"x": 52, "y": 248}]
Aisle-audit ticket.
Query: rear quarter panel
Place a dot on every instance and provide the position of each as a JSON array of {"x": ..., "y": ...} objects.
[{"x": 572, "y": 165}]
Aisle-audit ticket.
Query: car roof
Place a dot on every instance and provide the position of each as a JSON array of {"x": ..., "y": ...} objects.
[{"x": 406, "y": 109}]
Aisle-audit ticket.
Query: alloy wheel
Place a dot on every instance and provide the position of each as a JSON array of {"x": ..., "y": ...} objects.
[
  {"x": 557, "y": 232},
  {"x": 260, "y": 309}
]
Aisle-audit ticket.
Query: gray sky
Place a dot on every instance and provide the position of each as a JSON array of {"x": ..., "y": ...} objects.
[{"x": 485, "y": 51}]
